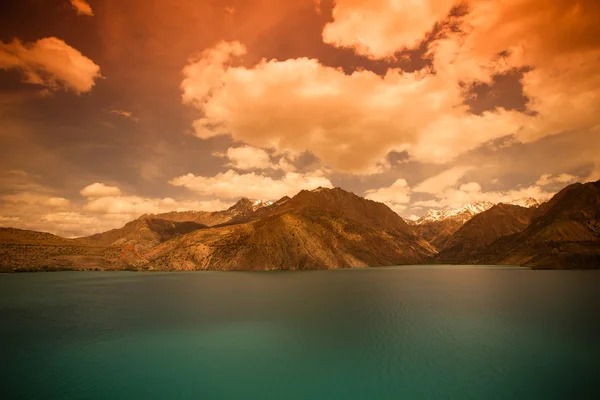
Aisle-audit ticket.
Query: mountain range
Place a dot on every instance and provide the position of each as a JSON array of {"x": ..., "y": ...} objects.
[{"x": 328, "y": 228}]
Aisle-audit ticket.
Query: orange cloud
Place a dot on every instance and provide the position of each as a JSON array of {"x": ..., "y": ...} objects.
[
  {"x": 380, "y": 28},
  {"x": 125, "y": 114},
  {"x": 106, "y": 207},
  {"x": 250, "y": 158},
  {"x": 351, "y": 122},
  {"x": 99, "y": 189},
  {"x": 51, "y": 63},
  {"x": 82, "y": 7},
  {"x": 230, "y": 184},
  {"x": 396, "y": 196},
  {"x": 558, "y": 41}
]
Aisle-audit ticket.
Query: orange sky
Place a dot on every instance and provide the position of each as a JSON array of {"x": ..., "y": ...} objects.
[{"x": 114, "y": 109}]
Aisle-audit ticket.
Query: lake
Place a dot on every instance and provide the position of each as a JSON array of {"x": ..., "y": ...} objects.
[{"x": 381, "y": 333}]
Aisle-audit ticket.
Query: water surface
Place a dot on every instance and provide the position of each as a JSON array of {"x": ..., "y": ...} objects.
[{"x": 385, "y": 333}]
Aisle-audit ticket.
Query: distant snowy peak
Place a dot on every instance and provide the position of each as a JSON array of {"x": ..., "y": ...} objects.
[
  {"x": 260, "y": 204},
  {"x": 468, "y": 211},
  {"x": 462, "y": 214},
  {"x": 526, "y": 202}
]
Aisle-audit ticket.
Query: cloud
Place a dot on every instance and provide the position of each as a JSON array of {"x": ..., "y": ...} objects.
[
  {"x": 380, "y": 28},
  {"x": 247, "y": 158},
  {"x": 206, "y": 69},
  {"x": 395, "y": 196},
  {"x": 105, "y": 208},
  {"x": 554, "y": 45},
  {"x": 557, "y": 44},
  {"x": 58, "y": 202},
  {"x": 449, "y": 192},
  {"x": 51, "y": 63},
  {"x": 33, "y": 198},
  {"x": 472, "y": 192},
  {"x": 317, "y": 6},
  {"x": 82, "y": 7},
  {"x": 350, "y": 122},
  {"x": 456, "y": 195},
  {"x": 99, "y": 189},
  {"x": 595, "y": 173},
  {"x": 230, "y": 184},
  {"x": 125, "y": 114},
  {"x": 133, "y": 206},
  {"x": 549, "y": 179},
  {"x": 439, "y": 183}
]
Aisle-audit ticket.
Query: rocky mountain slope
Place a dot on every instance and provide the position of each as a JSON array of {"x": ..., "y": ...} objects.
[
  {"x": 325, "y": 228},
  {"x": 483, "y": 229},
  {"x": 437, "y": 226},
  {"x": 151, "y": 229},
  {"x": 564, "y": 233},
  {"x": 462, "y": 214},
  {"x": 22, "y": 250}
]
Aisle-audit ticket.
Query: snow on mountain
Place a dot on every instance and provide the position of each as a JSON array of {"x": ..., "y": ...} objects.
[
  {"x": 462, "y": 214},
  {"x": 526, "y": 202},
  {"x": 260, "y": 204},
  {"x": 468, "y": 211}
]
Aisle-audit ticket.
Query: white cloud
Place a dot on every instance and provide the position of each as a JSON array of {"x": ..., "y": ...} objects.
[
  {"x": 549, "y": 179},
  {"x": 595, "y": 173},
  {"x": 395, "y": 196},
  {"x": 317, "y": 6},
  {"x": 35, "y": 198},
  {"x": 133, "y": 206},
  {"x": 99, "y": 189},
  {"x": 350, "y": 122},
  {"x": 230, "y": 184},
  {"x": 248, "y": 157},
  {"x": 105, "y": 208},
  {"x": 125, "y": 114},
  {"x": 439, "y": 183},
  {"x": 456, "y": 197},
  {"x": 205, "y": 69},
  {"x": 58, "y": 202},
  {"x": 82, "y": 7},
  {"x": 51, "y": 63},
  {"x": 380, "y": 28}
]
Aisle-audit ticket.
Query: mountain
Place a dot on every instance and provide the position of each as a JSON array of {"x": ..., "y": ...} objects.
[
  {"x": 437, "y": 226},
  {"x": 483, "y": 229},
  {"x": 240, "y": 211},
  {"x": 143, "y": 233},
  {"x": 527, "y": 202},
  {"x": 324, "y": 228},
  {"x": 151, "y": 229},
  {"x": 462, "y": 214},
  {"x": 24, "y": 250},
  {"x": 564, "y": 233},
  {"x": 327, "y": 228}
]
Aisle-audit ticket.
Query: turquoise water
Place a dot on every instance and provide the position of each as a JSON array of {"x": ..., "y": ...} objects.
[{"x": 386, "y": 333}]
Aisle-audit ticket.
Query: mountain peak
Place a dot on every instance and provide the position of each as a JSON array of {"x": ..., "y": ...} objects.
[
  {"x": 462, "y": 214},
  {"x": 527, "y": 202},
  {"x": 243, "y": 204}
]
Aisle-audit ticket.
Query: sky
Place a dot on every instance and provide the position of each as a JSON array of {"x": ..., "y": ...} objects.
[{"x": 113, "y": 109}]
